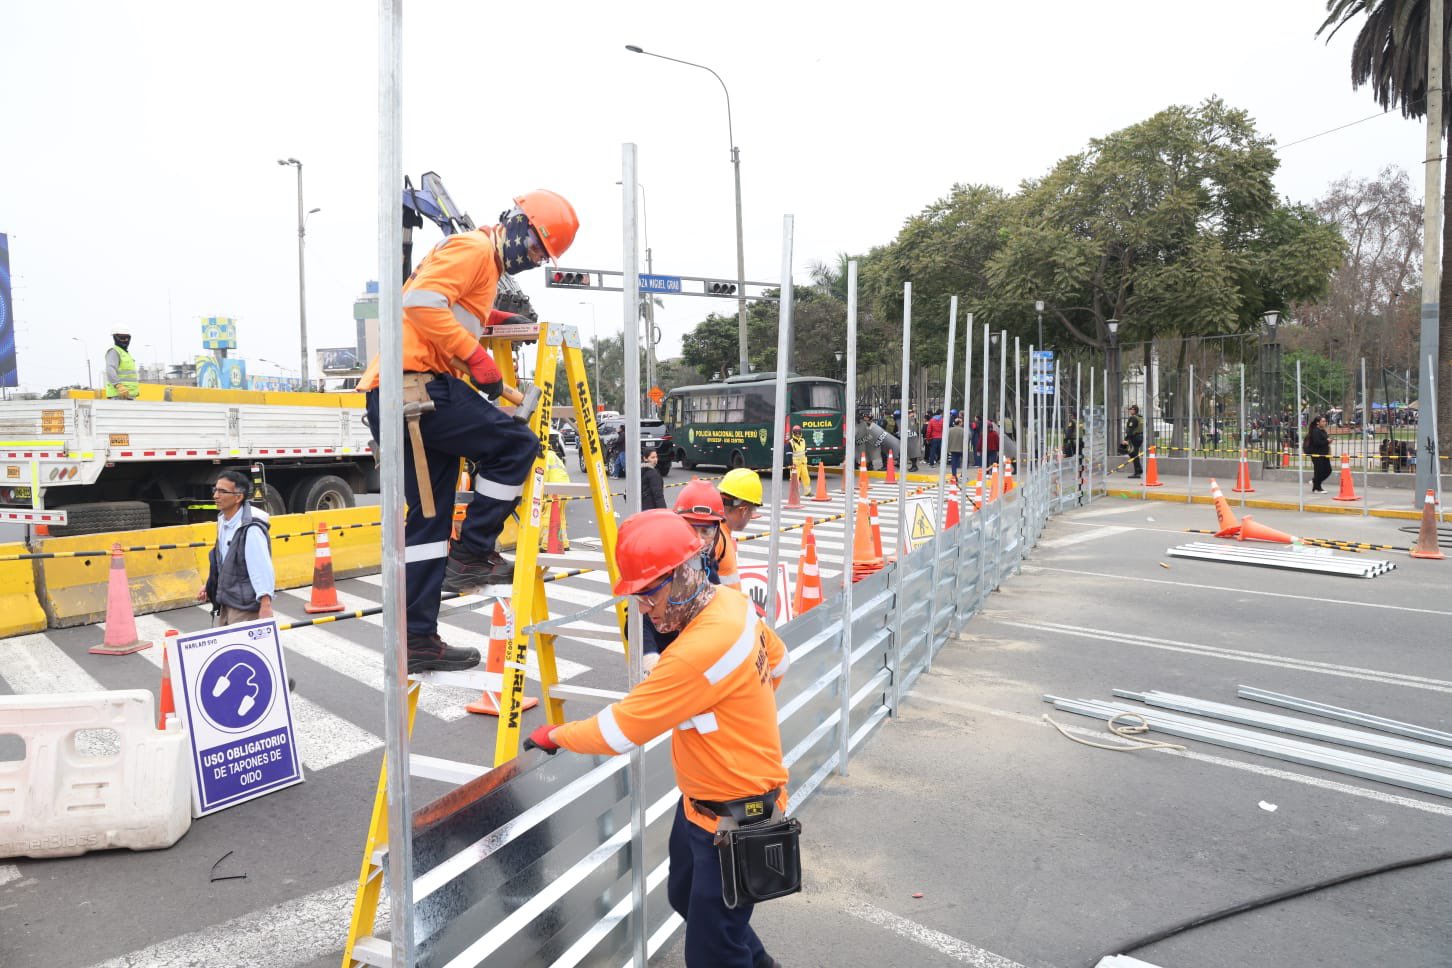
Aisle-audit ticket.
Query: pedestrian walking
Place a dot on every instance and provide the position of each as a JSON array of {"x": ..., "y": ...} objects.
[
  {"x": 1133, "y": 438},
  {"x": 1318, "y": 446},
  {"x": 715, "y": 691},
  {"x": 652, "y": 488},
  {"x": 447, "y": 302},
  {"x": 955, "y": 446},
  {"x": 240, "y": 578}
]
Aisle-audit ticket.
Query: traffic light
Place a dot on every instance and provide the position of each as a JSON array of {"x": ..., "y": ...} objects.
[
  {"x": 567, "y": 277},
  {"x": 715, "y": 287}
]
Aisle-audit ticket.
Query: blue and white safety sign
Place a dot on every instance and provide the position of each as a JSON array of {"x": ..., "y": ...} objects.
[{"x": 233, "y": 701}]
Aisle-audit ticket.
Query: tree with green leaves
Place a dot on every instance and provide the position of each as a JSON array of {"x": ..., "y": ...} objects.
[{"x": 1391, "y": 54}]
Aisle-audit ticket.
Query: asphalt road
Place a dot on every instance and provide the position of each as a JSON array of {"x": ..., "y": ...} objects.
[{"x": 1028, "y": 849}]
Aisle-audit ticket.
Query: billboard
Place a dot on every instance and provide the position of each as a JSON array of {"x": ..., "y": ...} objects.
[
  {"x": 9, "y": 369},
  {"x": 273, "y": 383},
  {"x": 340, "y": 359},
  {"x": 233, "y": 374},
  {"x": 219, "y": 333}
]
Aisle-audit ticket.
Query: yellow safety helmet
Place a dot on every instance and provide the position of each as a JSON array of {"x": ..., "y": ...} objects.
[{"x": 742, "y": 484}]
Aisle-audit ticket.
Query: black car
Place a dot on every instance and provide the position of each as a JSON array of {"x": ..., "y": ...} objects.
[{"x": 653, "y": 434}]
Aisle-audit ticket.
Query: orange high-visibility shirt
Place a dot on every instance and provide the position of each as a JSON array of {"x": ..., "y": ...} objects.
[
  {"x": 726, "y": 568},
  {"x": 446, "y": 302},
  {"x": 716, "y": 687}
]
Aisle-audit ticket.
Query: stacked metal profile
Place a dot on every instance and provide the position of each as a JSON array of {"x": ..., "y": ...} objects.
[
  {"x": 1345, "y": 715},
  {"x": 1293, "y": 557},
  {"x": 1276, "y": 747}
]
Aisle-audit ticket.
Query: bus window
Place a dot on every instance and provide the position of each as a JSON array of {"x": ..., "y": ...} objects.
[
  {"x": 816, "y": 396},
  {"x": 733, "y": 411},
  {"x": 760, "y": 404}
]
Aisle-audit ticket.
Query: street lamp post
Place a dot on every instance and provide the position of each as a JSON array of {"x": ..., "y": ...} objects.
[
  {"x": 302, "y": 301},
  {"x": 1115, "y": 427},
  {"x": 740, "y": 245},
  {"x": 648, "y": 306},
  {"x": 87, "y": 350}
]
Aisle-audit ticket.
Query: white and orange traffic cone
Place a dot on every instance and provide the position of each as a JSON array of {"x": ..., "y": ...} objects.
[
  {"x": 1252, "y": 530},
  {"x": 993, "y": 483},
  {"x": 1242, "y": 477},
  {"x": 890, "y": 477},
  {"x": 1152, "y": 471},
  {"x": 821, "y": 494},
  {"x": 1225, "y": 524},
  {"x": 866, "y": 554},
  {"x": 809, "y": 581},
  {"x": 1348, "y": 486},
  {"x": 554, "y": 539},
  {"x": 500, "y": 633},
  {"x": 876, "y": 528},
  {"x": 794, "y": 497},
  {"x": 1426, "y": 546},
  {"x": 324, "y": 597},
  {"x": 166, "y": 702},
  {"x": 1008, "y": 483},
  {"x": 120, "y": 637}
]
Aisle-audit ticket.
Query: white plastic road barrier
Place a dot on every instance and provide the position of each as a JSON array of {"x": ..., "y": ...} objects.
[{"x": 59, "y": 802}]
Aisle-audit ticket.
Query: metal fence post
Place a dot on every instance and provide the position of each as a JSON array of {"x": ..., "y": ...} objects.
[
  {"x": 902, "y": 522},
  {"x": 780, "y": 419},
  {"x": 844, "y": 747},
  {"x": 940, "y": 501}
]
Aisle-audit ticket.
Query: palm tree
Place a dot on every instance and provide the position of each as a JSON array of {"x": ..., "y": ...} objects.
[{"x": 1390, "y": 53}]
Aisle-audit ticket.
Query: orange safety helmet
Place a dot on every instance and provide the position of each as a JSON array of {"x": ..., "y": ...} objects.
[
  {"x": 700, "y": 502},
  {"x": 649, "y": 546},
  {"x": 552, "y": 217}
]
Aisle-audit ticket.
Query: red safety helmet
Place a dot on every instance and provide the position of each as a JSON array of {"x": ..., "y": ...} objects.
[
  {"x": 796, "y": 429},
  {"x": 649, "y": 546},
  {"x": 700, "y": 502},
  {"x": 551, "y": 217}
]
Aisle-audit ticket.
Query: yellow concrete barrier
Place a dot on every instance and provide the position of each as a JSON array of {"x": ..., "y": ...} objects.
[
  {"x": 292, "y": 558},
  {"x": 356, "y": 551},
  {"x": 73, "y": 590},
  {"x": 20, "y": 609}
]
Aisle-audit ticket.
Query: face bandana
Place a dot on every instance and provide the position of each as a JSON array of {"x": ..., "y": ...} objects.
[
  {"x": 122, "y": 341},
  {"x": 519, "y": 238},
  {"x": 689, "y": 593}
]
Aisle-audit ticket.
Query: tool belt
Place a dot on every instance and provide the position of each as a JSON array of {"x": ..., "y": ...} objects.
[{"x": 759, "y": 848}]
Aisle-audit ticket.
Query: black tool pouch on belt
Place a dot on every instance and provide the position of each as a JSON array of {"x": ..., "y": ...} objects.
[{"x": 760, "y": 851}]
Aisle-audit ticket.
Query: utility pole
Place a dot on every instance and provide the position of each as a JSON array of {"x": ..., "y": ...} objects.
[{"x": 1428, "y": 469}]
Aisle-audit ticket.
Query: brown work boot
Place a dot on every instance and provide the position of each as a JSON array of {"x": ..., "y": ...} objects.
[
  {"x": 430, "y": 653},
  {"x": 465, "y": 574}
]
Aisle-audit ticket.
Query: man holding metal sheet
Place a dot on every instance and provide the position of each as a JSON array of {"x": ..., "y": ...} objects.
[
  {"x": 716, "y": 691},
  {"x": 447, "y": 303}
]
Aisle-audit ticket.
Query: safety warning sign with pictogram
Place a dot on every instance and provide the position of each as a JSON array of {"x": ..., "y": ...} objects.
[
  {"x": 234, "y": 705},
  {"x": 920, "y": 520}
]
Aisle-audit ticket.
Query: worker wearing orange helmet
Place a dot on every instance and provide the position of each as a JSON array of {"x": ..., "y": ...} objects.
[
  {"x": 716, "y": 693},
  {"x": 447, "y": 302}
]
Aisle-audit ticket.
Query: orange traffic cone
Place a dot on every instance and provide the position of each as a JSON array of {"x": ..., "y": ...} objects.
[
  {"x": 166, "y": 705},
  {"x": 993, "y": 483},
  {"x": 1225, "y": 524},
  {"x": 862, "y": 486},
  {"x": 1285, "y": 457},
  {"x": 876, "y": 524},
  {"x": 1348, "y": 487},
  {"x": 865, "y": 559},
  {"x": 862, "y": 465},
  {"x": 499, "y": 636},
  {"x": 1426, "y": 546},
  {"x": 821, "y": 494},
  {"x": 890, "y": 477},
  {"x": 120, "y": 637},
  {"x": 809, "y": 581},
  {"x": 1008, "y": 483},
  {"x": 554, "y": 544},
  {"x": 1242, "y": 478},
  {"x": 807, "y": 535},
  {"x": 794, "y": 497},
  {"x": 1252, "y": 531},
  {"x": 978, "y": 493},
  {"x": 950, "y": 519},
  {"x": 1152, "y": 471},
  {"x": 325, "y": 594}
]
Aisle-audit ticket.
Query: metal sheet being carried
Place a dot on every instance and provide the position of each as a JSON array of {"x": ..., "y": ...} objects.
[{"x": 1301, "y": 559}]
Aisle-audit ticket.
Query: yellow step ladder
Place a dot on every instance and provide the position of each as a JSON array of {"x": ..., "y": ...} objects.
[{"x": 555, "y": 344}]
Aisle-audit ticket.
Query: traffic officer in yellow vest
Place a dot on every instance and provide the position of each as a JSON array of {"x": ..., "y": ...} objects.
[
  {"x": 799, "y": 459},
  {"x": 122, "y": 377},
  {"x": 446, "y": 304},
  {"x": 715, "y": 691}
]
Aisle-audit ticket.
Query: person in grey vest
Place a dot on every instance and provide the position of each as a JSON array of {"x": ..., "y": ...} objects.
[{"x": 240, "y": 578}]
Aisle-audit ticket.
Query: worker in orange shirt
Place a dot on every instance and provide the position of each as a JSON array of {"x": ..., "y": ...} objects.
[
  {"x": 716, "y": 692},
  {"x": 700, "y": 504},
  {"x": 446, "y": 304}
]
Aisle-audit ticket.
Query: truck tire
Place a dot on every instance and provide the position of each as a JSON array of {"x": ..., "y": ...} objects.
[
  {"x": 322, "y": 492},
  {"x": 273, "y": 501},
  {"x": 104, "y": 516}
]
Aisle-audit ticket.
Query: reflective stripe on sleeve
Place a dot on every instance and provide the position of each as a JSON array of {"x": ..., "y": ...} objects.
[
  {"x": 704, "y": 723},
  {"x": 467, "y": 319},
  {"x": 739, "y": 652},
  {"x": 426, "y": 552},
  {"x": 730, "y": 579},
  {"x": 499, "y": 492},
  {"x": 779, "y": 670},
  {"x": 426, "y": 298},
  {"x": 611, "y": 732}
]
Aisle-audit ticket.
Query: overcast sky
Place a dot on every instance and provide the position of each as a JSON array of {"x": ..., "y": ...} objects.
[{"x": 141, "y": 187}]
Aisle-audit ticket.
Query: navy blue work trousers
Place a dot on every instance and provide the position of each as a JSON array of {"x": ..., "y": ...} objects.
[
  {"x": 462, "y": 424},
  {"x": 716, "y": 936}
]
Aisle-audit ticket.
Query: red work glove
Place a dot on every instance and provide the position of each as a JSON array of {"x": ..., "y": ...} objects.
[
  {"x": 540, "y": 740},
  {"x": 485, "y": 373}
]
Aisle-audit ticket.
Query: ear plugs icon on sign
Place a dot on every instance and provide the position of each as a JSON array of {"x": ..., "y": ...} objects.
[{"x": 225, "y": 682}]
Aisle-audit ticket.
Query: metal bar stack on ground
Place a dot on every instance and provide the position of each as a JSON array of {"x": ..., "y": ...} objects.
[
  {"x": 1306, "y": 559},
  {"x": 1345, "y": 715}
]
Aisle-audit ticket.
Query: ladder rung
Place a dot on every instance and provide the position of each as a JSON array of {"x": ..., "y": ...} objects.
[
  {"x": 380, "y": 854},
  {"x": 595, "y": 632},
  {"x": 373, "y": 951},
  {"x": 447, "y": 771},
  {"x": 585, "y": 692},
  {"x": 570, "y": 561},
  {"x": 476, "y": 679},
  {"x": 566, "y": 490}
]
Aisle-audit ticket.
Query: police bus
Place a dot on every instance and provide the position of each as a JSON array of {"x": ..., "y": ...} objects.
[{"x": 728, "y": 424}]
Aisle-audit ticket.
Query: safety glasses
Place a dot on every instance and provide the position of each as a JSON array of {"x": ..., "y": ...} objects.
[{"x": 647, "y": 597}]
